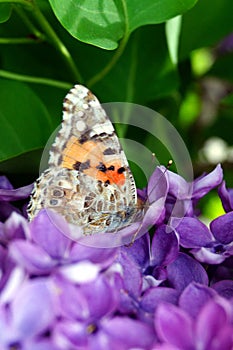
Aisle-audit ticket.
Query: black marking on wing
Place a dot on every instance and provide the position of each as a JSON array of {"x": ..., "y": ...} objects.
[
  {"x": 121, "y": 170},
  {"x": 109, "y": 151},
  {"x": 101, "y": 167},
  {"x": 82, "y": 166}
]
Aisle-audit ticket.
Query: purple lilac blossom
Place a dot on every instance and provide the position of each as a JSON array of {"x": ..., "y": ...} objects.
[
  {"x": 183, "y": 196},
  {"x": 210, "y": 245},
  {"x": 171, "y": 289},
  {"x": 226, "y": 45}
]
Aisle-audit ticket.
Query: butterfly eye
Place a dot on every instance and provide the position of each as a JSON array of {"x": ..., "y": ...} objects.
[
  {"x": 53, "y": 202},
  {"x": 58, "y": 193}
]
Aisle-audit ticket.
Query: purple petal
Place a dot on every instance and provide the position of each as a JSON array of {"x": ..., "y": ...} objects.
[
  {"x": 5, "y": 183},
  {"x": 207, "y": 182},
  {"x": 174, "y": 326},
  {"x": 15, "y": 194},
  {"x": 153, "y": 215},
  {"x": 226, "y": 196},
  {"x": 71, "y": 335},
  {"x": 178, "y": 187},
  {"x": 223, "y": 340},
  {"x": 102, "y": 256},
  {"x": 185, "y": 270},
  {"x": 198, "y": 292},
  {"x": 47, "y": 232},
  {"x": 101, "y": 296},
  {"x": 6, "y": 209},
  {"x": 68, "y": 296},
  {"x": 6, "y": 266},
  {"x": 157, "y": 185},
  {"x": 222, "y": 228},
  {"x": 179, "y": 207},
  {"x": 32, "y": 309},
  {"x": 16, "y": 226},
  {"x": 40, "y": 344},
  {"x": 101, "y": 341},
  {"x": 165, "y": 247},
  {"x": 154, "y": 296},
  {"x": 128, "y": 303},
  {"x": 223, "y": 271},
  {"x": 131, "y": 275},
  {"x": 80, "y": 272},
  {"x": 142, "y": 194},
  {"x": 192, "y": 232},
  {"x": 215, "y": 316},
  {"x": 8, "y": 334},
  {"x": 164, "y": 346},
  {"x": 139, "y": 252},
  {"x": 209, "y": 255},
  {"x": 13, "y": 283},
  {"x": 224, "y": 288},
  {"x": 109, "y": 239},
  {"x": 34, "y": 259},
  {"x": 128, "y": 332}
]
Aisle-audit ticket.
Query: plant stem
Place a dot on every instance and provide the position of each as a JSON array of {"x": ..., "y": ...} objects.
[
  {"x": 27, "y": 3},
  {"x": 20, "y": 11},
  {"x": 35, "y": 80},
  {"x": 18, "y": 41},
  {"x": 51, "y": 35},
  {"x": 118, "y": 52},
  {"x": 110, "y": 65},
  {"x": 57, "y": 43}
]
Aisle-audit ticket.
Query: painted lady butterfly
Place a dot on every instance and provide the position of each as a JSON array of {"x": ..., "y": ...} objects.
[{"x": 88, "y": 180}]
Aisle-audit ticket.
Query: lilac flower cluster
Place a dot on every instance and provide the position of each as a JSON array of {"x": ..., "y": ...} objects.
[{"x": 171, "y": 292}]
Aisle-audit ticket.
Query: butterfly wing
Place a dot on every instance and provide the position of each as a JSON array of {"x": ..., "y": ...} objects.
[{"x": 89, "y": 180}]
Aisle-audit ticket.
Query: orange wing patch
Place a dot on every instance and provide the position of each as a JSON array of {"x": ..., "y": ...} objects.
[{"x": 87, "y": 158}]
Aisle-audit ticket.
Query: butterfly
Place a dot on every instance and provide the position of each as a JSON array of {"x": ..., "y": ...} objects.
[{"x": 88, "y": 179}]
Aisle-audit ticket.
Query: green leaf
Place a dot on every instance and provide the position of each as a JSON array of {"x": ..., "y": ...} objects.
[
  {"x": 206, "y": 24},
  {"x": 5, "y": 12},
  {"x": 104, "y": 23},
  {"x": 25, "y": 122},
  {"x": 153, "y": 12}
]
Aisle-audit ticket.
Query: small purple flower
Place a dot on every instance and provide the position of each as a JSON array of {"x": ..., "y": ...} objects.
[
  {"x": 88, "y": 318},
  {"x": 145, "y": 269},
  {"x": 183, "y": 196},
  {"x": 211, "y": 329},
  {"x": 185, "y": 270},
  {"x": 26, "y": 320},
  {"x": 49, "y": 248},
  {"x": 153, "y": 258},
  {"x": 212, "y": 245},
  {"x": 145, "y": 296}
]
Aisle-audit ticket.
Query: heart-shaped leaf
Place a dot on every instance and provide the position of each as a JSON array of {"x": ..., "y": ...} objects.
[{"x": 104, "y": 23}]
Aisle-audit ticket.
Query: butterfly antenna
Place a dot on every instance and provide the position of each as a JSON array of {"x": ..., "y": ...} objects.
[{"x": 169, "y": 164}]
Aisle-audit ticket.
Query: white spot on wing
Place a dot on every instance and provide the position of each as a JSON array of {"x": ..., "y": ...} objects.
[{"x": 80, "y": 125}]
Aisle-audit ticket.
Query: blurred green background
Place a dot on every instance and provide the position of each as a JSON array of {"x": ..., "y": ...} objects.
[{"x": 176, "y": 58}]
